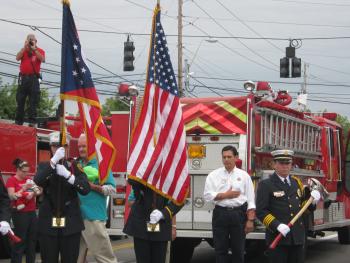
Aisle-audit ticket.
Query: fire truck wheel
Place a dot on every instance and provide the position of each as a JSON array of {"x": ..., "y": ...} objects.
[
  {"x": 344, "y": 235},
  {"x": 5, "y": 248},
  {"x": 182, "y": 249}
]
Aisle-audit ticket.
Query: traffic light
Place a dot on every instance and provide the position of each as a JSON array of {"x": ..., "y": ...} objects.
[
  {"x": 128, "y": 55},
  {"x": 284, "y": 67},
  {"x": 296, "y": 67}
]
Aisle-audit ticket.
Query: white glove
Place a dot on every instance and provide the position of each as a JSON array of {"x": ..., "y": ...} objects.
[
  {"x": 4, "y": 227},
  {"x": 108, "y": 190},
  {"x": 283, "y": 229},
  {"x": 316, "y": 195},
  {"x": 59, "y": 154},
  {"x": 155, "y": 216},
  {"x": 61, "y": 170}
]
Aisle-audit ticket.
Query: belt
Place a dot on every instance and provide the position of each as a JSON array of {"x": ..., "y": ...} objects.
[
  {"x": 229, "y": 208},
  {"x": 27, "y": 75}
]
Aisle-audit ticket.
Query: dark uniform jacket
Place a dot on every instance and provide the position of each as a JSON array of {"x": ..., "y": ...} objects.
[
  {"x": 66, "y": 202},
  {"x": 146, "y": 201},
  {"x": 277, "y": 203},
  {"x": 5, "y": 210}
]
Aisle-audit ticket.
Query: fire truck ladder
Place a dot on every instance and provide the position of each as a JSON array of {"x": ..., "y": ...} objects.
[{"x": 281, "y": 131}]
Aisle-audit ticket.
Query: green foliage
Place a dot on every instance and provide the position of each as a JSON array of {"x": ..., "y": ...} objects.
[
  {"x": 113, "y": 104},
  {"x": 345, "y": 123},
  {"x": 46, "y": 108}
]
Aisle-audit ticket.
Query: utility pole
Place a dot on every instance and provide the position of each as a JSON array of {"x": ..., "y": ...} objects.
[
  {"x": 187, "y": 77},
  {"x": 302, "y": 97},
  {"x": 179, "y": 48}
]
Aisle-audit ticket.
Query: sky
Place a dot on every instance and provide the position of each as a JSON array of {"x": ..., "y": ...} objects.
[{"x": 225, "y": 42}]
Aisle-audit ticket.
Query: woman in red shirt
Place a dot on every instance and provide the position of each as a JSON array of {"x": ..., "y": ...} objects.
[{"x": 24, "y": 216}]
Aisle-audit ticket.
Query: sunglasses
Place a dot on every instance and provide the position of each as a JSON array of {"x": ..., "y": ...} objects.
[{"x": 23, "y": 164}]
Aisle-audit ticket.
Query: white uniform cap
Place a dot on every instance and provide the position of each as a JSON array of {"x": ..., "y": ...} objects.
[{"x": 283, "y": 155}]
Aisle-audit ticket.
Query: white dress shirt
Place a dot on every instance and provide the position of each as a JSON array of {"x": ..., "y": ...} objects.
[
  {"x": 220, "y": 181},
  {"x": 282, "y": 179}
]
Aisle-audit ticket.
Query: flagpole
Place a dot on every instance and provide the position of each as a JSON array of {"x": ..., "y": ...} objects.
[{"x": 179, "y": 48}]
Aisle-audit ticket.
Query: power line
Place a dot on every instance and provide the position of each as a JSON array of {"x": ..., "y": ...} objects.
[
  {"x": 269, "y": 22},
  {"x": 241, "y": 42},
  {"x": 311, "y": 3},
  {"x": 278, "y": 82},
  {"x": 36, "y": 27}
]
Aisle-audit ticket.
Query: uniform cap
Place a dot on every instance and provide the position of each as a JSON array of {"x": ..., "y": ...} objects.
[
  {"x": 55, "y": 138},
  {"x": 283, "y": 155}
]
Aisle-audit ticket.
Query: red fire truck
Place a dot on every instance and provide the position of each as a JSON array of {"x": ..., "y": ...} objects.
[{"x": 255, "y": 124}]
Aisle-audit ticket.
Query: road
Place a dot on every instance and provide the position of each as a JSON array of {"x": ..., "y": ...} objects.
[{"x": 319, "y": 251}]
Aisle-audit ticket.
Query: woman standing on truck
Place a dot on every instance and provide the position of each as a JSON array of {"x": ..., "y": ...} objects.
[{"x": 22, "y": 192}]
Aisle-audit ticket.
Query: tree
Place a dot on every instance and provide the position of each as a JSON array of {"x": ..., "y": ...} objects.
[
  {"x": 46, "y": 108},
  {"x": 114, "y": 104},
  {"x": 345, "y": 123}
]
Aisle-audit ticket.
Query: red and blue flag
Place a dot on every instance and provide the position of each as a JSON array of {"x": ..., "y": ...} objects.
[{"x": 77, "y": 85}]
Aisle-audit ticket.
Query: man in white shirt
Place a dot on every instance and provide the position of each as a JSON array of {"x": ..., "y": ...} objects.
[{"x": 232, "y": 191}]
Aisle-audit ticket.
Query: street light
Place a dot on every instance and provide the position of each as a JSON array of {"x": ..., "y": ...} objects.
[{"x": 249, "y": 86}]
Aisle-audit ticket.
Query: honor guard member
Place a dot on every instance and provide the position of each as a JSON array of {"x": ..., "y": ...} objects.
[
  {"x": 150, "y": 223},
  {"x": 279, "y": 199},
  {"x": 5, "y": 210},
  {"x": 60, "y": 220},
  {"x": 232, "y": 191}
]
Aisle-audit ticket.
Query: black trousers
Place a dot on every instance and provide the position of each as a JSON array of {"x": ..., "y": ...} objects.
[
  {"x": 228, "y": 231},
  {"x": 28, "y": 86},
  {"x": 26, "y": 227},
  {"x": 287, "y": 254},
  {"x": 147, "y": 251},
  {"x": 53, "y": 246}
]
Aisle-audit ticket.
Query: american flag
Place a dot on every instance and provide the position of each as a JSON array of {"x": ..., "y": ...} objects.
[
  {"x": 77, "y": 85},
  {"x": 158, "y": 156}
]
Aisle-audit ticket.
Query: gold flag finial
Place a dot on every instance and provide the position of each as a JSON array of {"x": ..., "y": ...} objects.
[{"x": 66, "y": 2}]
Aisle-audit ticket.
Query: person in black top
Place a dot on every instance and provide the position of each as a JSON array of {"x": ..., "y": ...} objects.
[
  {"x": 150, "y": 245},
  {"x": 279, "y": 199},
  {"x": 60, "y": 220},
  {"x": 5, "y": 210}
]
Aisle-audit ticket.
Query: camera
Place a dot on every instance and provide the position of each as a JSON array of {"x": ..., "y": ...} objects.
[{"x": 31, "y": 42}]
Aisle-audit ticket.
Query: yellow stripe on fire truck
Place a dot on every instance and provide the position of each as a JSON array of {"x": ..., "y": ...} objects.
[
  {"x": 233, "y": 110},
  {"x": 204, "y": 125}
]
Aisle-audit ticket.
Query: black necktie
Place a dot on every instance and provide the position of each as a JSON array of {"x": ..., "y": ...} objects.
[{"x": 286, "y": 182}]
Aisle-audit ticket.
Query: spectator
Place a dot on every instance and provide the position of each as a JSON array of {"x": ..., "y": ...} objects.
[
  {"x": 31, "y": 57},
  {"x": 59, "y": 213},
  {"x": 24, "y": 220},
  {"x": 94, "y": 211}
]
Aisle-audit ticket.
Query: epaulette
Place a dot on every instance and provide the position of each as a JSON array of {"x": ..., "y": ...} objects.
[{"x": 300, "y": 183}]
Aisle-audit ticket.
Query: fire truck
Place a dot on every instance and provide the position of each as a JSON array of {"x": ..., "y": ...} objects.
[{"x": 255, "y": 124}]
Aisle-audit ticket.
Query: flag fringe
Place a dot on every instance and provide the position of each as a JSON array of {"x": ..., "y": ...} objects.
[{"x": 143, "y": 182}]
